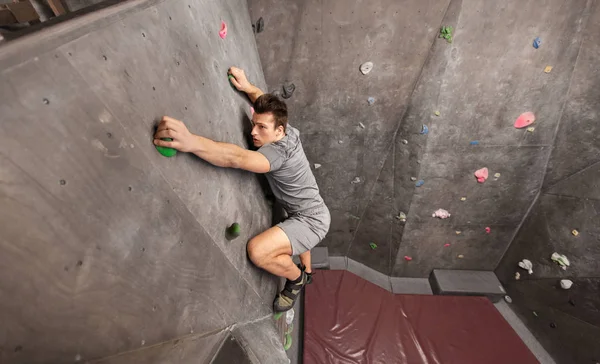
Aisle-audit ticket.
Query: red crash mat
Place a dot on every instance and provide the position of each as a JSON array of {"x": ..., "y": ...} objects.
[{"x": 349, "y": 320}]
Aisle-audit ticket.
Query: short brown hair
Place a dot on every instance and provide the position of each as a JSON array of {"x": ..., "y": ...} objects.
[{"x": 268, "y": 103}]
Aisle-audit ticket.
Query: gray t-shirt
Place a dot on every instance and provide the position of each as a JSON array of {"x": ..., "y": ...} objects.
[{"x": 290, "y": 177}]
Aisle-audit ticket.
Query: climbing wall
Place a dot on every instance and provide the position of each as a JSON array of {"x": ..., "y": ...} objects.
[
  {"x": 106, "y": 245},
  {"x": 566, "y": 220},
  {"x": 406, "y": 138}
]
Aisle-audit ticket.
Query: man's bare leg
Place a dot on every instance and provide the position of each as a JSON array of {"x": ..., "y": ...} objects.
[
  {"x": 271, "y": 251},
  {"x": 305, "y": 260}
]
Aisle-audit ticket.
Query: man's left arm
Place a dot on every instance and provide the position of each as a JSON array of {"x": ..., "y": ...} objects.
[{"x": 219, "y": 154}]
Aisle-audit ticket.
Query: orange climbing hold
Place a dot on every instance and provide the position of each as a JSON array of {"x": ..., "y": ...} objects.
[
  {"x": 223, "y": 31},
  {"x": 481, "y": 175},
  {"x": 525, "y": 119}
]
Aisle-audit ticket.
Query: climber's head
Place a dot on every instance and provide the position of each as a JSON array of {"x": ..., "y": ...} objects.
[{"x": 269, "y": 121}]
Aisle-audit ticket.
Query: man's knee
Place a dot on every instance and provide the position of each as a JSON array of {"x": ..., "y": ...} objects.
[{"x": 254, "y": 252}]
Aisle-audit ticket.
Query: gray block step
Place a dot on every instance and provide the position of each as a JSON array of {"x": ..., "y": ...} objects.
[{"x": 466, "y": 283}]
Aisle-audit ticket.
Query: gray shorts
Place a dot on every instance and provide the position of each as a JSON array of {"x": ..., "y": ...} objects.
[{"x": 305, "y": 229}]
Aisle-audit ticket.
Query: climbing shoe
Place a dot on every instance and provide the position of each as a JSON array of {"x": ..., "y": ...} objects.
[
  {"x": 285, "y": 299},
  {"x": 308, "y": 275}
]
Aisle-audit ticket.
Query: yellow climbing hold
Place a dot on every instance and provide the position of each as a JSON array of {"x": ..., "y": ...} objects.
[
  {"x": 457, "y": 232},
  {"x": 575, "y": 232},
  {"x": 548, "y": 69},
  {"x": 463, "y": 199},
  {"x": 531, "y": 129},
  {"x": 437, "y": 113},
  {"x": 460, "y": 256}
]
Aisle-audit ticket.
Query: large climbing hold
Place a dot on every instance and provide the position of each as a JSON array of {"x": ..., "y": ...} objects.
[
  {"x": 366, "y": 67},
  {"x": 527, "y": 265},
  {"x": 441, "y": 213},
  {"x": 561, "y": 260},
  {"x": 525, "y": 119},
  {"x": 566, "y": 283},
  {"x": 481, "y": 174},
  {"x": 288, "y": 90}
]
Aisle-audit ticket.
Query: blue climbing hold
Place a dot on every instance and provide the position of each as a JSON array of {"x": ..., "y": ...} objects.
[
  {"x": 371, "y": 100},
  {"x": 475, "y": 142},
  {"x": 536, "y": 42},
  {"x": 419, "y": 183},
  {"x": 424, "y": 129}
]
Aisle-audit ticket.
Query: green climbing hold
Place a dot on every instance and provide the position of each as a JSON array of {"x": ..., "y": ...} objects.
[
  {"x": 373, "y": 246},
  {"x": 278, "y": 315},
  {"x": 446, "y": 33},
  {"x": 234, "y": 230},
  {"x": 230, "y": 78},
  {"x": 288, "y": 342},
  {"x": 165, "y": 151}
]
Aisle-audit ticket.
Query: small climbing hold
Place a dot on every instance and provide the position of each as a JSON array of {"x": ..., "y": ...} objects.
[
  {"x": 561, "y": 260},
  {"x": 488, "y": 230},
  {"x": 508, "y": 299},
  {"x": 407, "y": 258},
  {"x": 419, "y": 183},
  {"x": 446, "y": 33},
  {"x": 276, "y": 93},
  {"x": 166, "y": 151},
  {"x": 62, "y": 182},
  {"x": 525, "y": 119},
  {"x": 355, "y": 180},
  {"x": 536, "y": 42},
  {"x": 553, "y": 325},
  {"x": 530, "y": 129},
  {"x": 441, "y": 213},
  {"x": 361, "y": 125},
  {"x": 366, "y": 67},
  {"x": 373, "y": 246},
  {"x": 223, "y": 31},
  {"x": 458, "y": 232},
  {"x": 413, "y": 179},
  {"x": 517, "y": 276},
  {"x": 234, "y": 230},
  {"x": 401, "y": 216},
  {"x": 535, "y": 314},
  {"x": 340, "y": 142},
  {"x": 436, "y": 113},
  {"x": 260, "y": 25},
  {"x": 474, "y": 142},
  {"x": 446, "y": 245},
  {"x": 572, "y": 302},
  {"x": 460, "y": 256},
  {"x": 371, "y": 100},
  {"x": 288, "y": 90},
  {"x": 463, "y": 199},
  {"x": 481, "y": 175},
  {"x": 424, "y": 129},
  {"x": 575, "y": 232},
  {"x": 46, "y": 101},
  {"x": 497, "y": 175},
  {"x": 548, "y": 69},
  {"x": 404, "y": 141},
  {"x": 317, "y": 166},
  {"x": 527, "y": 265},
  {"x": 566, "y": 283}
]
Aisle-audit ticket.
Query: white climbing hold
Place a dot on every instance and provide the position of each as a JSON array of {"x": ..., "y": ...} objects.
[
  {"x": 361, "y": 125},
  {"x": 401, "y": 216},
  {"x": 441, "y": 213},
  {"x": 517, "y": 276},
  {"x": 366, "y": 67},
  {"x": 413, "y": 179},
  {"x": 508, "y": 299},
  {"x": 317, "y": 166},
  {"x": 527, "y": 265},
  {"x": 561, "y": 260},
  {"x": 463, "y": 199},
  {"x": 355, "y": 180},
  {"x": 289, "y": 316},
  {"x": 404, "y": 141},
  {"x": 566, "y": 283},
  {"x": 340, "y": 142},
  {"x": 531, "y": 129},
  {"x": 457, "y": 232},
  {"x": 497, "y": 175},
  {"x": 460, "y": 256}
]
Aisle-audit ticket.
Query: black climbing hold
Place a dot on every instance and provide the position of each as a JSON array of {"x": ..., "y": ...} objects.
[
  {"x": 288, "y": 90},
  {"x": 63, "y": 182},
  {"x": 46, "y": 101},
  {"x": 253, "y": 29},
  {"x": 109, "y": 135},
  {"x": 144, "y": 35},
  {"x": 553, "y": 325},
  {"x": 130, "y": 188},
  {"x": 79, "y": 263},
  {"x": 105, "y": 58},
  {"x": 153, "y": 88},
  {"x": 260, "y": 25},
  {"x": 18, "y": 348},
  {"x": 572, "y": 302}
]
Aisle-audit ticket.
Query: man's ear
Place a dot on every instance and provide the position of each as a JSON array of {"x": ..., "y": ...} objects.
[{"x": 280, "y": 129}]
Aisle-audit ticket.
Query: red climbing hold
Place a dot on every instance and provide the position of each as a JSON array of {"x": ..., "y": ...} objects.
[
  {"x": 488, "y": 230},
  {"x": 223, "y": 31},
  {"x": 446, "y": 245},
  {"x": 407, "y": 258},
  {"x": 525, "y": 119},
  {"x": 481, "y": 174}
]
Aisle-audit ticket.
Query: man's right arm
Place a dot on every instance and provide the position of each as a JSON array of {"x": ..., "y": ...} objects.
[{"x": 242, "y": 84}]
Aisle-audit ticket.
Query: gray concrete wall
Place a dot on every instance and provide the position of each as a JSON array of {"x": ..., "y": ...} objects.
[
  {"x": 570, "y": 199},
  {"x": 106, "y": 246},
  {"x": 480, "y": 84}
]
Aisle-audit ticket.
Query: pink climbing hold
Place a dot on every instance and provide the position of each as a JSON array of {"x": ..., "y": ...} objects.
[
  {"x": 446, "y": 245},
  {"x": 481, "y": 174},
  {"x": 223, "y": 31},
  {"x": 488, "y": 230},
  {"x": 407, "y": 258},
  {"x": 525, "y": 119}
]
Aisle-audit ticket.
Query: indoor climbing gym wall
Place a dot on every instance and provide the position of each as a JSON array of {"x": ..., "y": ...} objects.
[
  {"x": 459, "y": 135},
  {"x": 108, "y": 247}
]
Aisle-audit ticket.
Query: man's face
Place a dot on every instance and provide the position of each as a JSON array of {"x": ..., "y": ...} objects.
[{"x": 263, "y": 129}]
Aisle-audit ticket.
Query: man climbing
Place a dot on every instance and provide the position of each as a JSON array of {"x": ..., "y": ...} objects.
[{"x": 281, "y": 157}]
